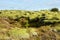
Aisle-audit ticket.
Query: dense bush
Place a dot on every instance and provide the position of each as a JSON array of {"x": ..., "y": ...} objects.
[
  {"x": 54, "y": 9},
  {"x": 31, "y": 18}
]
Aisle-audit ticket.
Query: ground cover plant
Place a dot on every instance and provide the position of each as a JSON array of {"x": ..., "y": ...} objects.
[{"x": 30, "y": 25}]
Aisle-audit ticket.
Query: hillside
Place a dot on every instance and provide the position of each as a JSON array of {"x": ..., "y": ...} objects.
[{"x": 29, "y": 25}]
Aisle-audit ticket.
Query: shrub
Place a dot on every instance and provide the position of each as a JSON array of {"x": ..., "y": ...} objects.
[{"x": 54, "y": 10}]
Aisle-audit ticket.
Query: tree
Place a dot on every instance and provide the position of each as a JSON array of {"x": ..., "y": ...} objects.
[{"x": 54, "y": 10}]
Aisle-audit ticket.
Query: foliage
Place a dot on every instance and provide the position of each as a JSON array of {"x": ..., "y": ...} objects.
[
  {"x": 54, "y": 9},
  {"x": 31, "y": 18},
  {"x": 18, "y": 33},
  {"x": 15, "y": 25}
]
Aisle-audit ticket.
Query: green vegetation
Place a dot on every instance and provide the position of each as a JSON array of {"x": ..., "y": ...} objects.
[
  {"x": 54, "y": 9},
  {"x": 30, "y": 25},
  {"x": 31, "y": 18}
]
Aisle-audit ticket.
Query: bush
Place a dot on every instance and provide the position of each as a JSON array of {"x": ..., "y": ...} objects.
[{"x": 54, "y": 10}]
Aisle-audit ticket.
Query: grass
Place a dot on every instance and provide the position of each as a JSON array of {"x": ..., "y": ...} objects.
[{"x": 14, "y": 28}]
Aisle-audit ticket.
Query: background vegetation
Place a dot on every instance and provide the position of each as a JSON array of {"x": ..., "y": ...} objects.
[{"x": 30, "y": 25}]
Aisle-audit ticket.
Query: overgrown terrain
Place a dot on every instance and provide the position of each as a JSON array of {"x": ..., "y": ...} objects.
[{"x": 30, "y": 25}]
